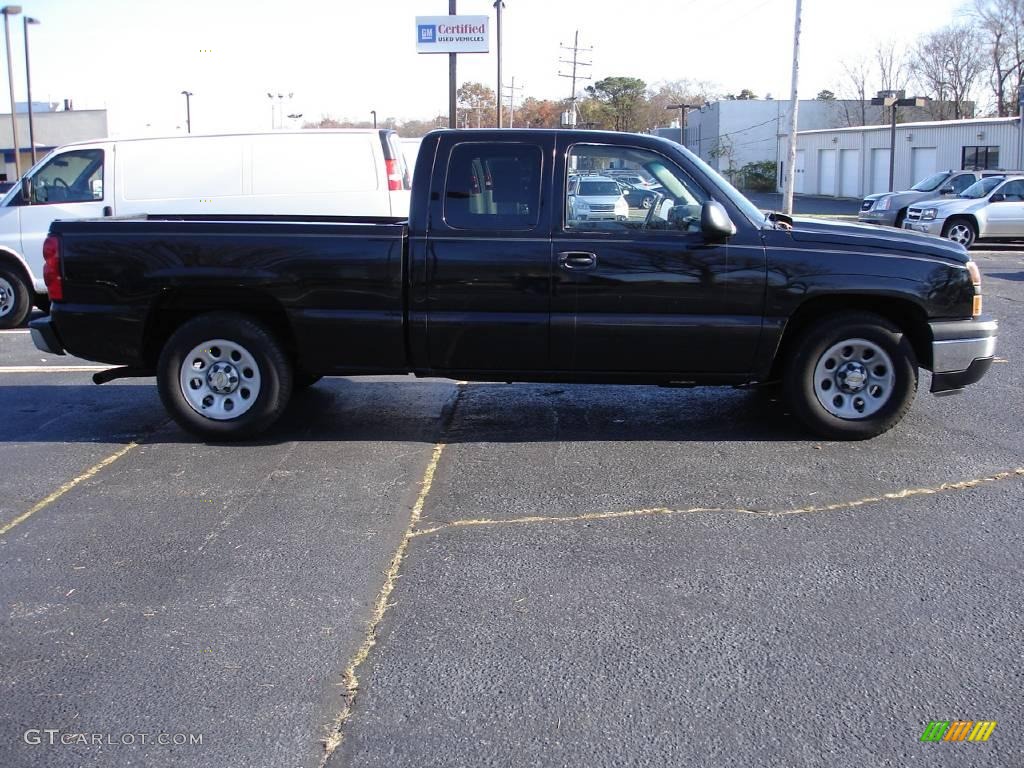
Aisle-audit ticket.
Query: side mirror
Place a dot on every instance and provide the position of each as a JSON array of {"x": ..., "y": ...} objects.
[
  {"x": 26, "y": 190},
  {"x": 999, "y": 197},
  {"x": 946, "y": 191},
  {"x": 715, "y": 222}
]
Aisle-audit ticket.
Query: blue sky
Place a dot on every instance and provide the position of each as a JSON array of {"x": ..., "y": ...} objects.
[{"x": 346, "y": 57}]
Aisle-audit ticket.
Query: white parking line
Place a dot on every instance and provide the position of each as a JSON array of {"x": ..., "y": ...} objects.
[
  {"x": 53, "y": 368},
  {"x": 16, "y": 330}
]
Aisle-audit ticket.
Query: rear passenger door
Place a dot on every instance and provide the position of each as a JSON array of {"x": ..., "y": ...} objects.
[
  {"x": 1005, "y": 211},
  {"x": 486, "y": 264}
]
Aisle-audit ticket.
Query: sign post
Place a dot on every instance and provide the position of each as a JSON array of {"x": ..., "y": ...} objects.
[{"x": 452, "y": 34}]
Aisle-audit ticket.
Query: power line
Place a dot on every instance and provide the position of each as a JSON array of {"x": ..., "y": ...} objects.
[{"x": 512, "y": 101}]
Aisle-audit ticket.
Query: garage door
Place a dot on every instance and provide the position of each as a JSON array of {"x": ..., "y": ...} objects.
[
  {"x": 849, "y": 173},
  {"x": 879, "y": 171},
  {"x": 798, "y": 172},
  {"x": 827, "y": 172},
  {"x": 922, "y": 163}
]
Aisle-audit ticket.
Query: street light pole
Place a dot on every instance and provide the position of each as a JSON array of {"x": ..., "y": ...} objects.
[
  {"x": 8, "y": 11},
  {"x": 188, "y": 110},
  {"x": 374, "y": 113},
  {"x": 683, "y": 109},
  {"x": 895, "y": 99},
  {"x": 28, "y": 83}
]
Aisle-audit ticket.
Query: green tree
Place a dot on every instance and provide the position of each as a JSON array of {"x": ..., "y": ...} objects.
[
  {"x": 476, "y": 107},
  {"x": 623, "y": 97},
  {"x": 825, "y": 95}
]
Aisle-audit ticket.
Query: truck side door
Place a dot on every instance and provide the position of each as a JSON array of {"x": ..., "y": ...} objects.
[
  {"x": 482, "y": 278},
  {"x": 647, "y": 293}
]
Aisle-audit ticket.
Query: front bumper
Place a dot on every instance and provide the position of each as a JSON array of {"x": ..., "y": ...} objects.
[
  {"x": 45, "y": 337},
  {"x": 962, "y": 351},
  {"x": 931, "y": 227},
  {"x": 885, "y": 218}
]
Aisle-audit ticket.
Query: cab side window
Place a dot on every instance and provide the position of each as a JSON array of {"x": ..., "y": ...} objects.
[
  {"x": 623, "y": 189},
  {"x": 493, "y": 186},
  {"x": 1013, "y": 191},
  {"x": 961, "y": 182},
  {"x": 70, "y": 177}
]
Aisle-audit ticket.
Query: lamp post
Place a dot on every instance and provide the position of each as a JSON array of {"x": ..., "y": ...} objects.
[
  {"x": 28, "y": 82},
  {"x": 8, "y": 11},
  {"x": 683, "y": 109},
  {"x": 188, "y": 110},
  {"x": 895, "y": 99},
  {"x": 374, "y": 113},
  {"x": 499, "y": 5}
]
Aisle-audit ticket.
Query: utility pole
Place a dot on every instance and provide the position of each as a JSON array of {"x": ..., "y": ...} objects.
[
  {"x": 499, "y": 4},
  {"x": 794, "y": 104},
  {"x": 574, "y": 76},
  {"x": 512, "y": 101},
  {"x": 452, "y": 85},
  {"x": 683, "y": 109},
  {"x": 188, "y": 110},
  {"x": 8, "y": 11}
]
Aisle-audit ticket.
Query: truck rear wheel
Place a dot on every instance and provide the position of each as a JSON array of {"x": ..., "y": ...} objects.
[
  {"x": 15, "y": 299},
  {"x": 961, "y": 231},
  {"x": 224, "y": 376},
  {"x": 852, "y": 377}
]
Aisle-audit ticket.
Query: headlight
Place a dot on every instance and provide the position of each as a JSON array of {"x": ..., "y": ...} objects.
[
  {"x": 928, "y": 214},
  {"x": 883, "y": 204},
  {"x": 581, "y": 205}
]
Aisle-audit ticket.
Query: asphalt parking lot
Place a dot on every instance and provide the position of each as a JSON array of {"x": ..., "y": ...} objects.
[{"x": 432, "y": 573}]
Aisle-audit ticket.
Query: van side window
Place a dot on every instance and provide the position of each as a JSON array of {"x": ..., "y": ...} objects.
[
  {"x": 70, "y": 177},
  {"x": 493, "y": 186}
]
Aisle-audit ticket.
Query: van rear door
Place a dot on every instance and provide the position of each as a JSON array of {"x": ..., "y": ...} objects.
[{"x": 399, "y": 176}]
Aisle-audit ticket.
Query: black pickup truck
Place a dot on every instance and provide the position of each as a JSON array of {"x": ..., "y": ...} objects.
[{"x": 501, "y": 275}]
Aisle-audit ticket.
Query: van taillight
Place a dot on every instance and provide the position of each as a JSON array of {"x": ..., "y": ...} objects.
[
  {"x": 394, "y": 175},
  {"x": 51, "y": 268}
]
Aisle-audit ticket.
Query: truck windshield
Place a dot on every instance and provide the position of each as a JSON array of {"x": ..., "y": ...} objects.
[
  {"x": 931, "y": 183},
  {"x": 981, "y": 188},
  {"x": 599, "y": 189}
]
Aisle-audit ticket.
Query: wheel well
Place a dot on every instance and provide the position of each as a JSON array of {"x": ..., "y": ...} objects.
[
  {"x": 8, "y": 259},
  {"x": 962, "y": 217},
  {"x": 906, "y": 315},
  {"x": 176, "y": 307}
]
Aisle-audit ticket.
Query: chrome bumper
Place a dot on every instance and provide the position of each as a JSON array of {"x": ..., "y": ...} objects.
[{"x": 962, "y": 352}]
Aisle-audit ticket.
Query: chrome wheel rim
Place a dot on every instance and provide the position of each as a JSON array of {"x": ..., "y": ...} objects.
[
  {"x": 961, "y": 233},
  {"x": 220, "y": 379},
  {"x": 6, "y": 297},
  {"x": 854, "y": 379}
]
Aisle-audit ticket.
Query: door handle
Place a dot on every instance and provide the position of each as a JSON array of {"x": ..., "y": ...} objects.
[{"x": 577, "y": 260}]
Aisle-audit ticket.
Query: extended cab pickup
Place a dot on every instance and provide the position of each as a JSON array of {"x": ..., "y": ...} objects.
[{"x": 497, "y": 277}]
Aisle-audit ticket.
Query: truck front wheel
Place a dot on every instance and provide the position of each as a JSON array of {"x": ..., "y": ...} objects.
[
  {"x": 15, "y": 299},
  {"x": 852, "y": 376},
  {"x": 961, "y": 231},
  {"x": 224, "y": 376}
]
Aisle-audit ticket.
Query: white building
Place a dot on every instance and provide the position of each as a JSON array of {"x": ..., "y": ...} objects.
[
  {"x": 52, "y": 129},
  {"x": 853, "y": 162}
]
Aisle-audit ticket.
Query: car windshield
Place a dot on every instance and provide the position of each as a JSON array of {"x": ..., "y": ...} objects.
[
  {"x": 598, "y": 189},
  {"x": 931, "y": 183},
  {"x": 981, "y": 188}
]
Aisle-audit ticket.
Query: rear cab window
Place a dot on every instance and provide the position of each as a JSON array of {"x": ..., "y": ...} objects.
[{"x": 493, "y": 187}]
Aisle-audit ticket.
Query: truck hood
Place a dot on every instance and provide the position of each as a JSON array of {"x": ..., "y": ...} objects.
[
  {"x": 947, "y": 207},
  {"x": 867, "y": 237}
]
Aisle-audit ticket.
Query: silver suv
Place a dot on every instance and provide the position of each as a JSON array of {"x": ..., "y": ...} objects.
[
  {"x": 890, "y": 208},
  {"x": 991, "y": 208}
]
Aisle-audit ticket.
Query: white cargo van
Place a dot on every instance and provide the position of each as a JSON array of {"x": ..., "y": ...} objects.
[{"x": 314, "y": 172}]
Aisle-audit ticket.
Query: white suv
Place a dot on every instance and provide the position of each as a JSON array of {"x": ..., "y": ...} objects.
[
  {"x": 596, "y": 198},
  {"x": 990, "y": 208}
]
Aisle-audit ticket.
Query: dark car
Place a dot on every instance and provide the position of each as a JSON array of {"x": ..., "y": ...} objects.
[{"x": 638, "y": 197}]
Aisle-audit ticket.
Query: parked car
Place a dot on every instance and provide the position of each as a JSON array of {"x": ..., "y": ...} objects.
[
  {"x": 495, "y": 282},
  {"x": 638, "y": 197},
  {"x": 890, "y": 208},
  {"x": 339, "y": 173},
  {"x": 596, "y": 198},
  {"x": 991, "y": 208}
]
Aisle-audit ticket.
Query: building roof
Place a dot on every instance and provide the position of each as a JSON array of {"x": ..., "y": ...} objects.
[{"x": 928, "y": 124}]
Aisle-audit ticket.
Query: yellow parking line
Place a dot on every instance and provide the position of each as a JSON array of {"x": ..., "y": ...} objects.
[
  {"x": 351, "y": 681},
  {"x": 52, "y": 368},
  {"x": 655, "y": 511},
  {"x": 89, "y": 473}
]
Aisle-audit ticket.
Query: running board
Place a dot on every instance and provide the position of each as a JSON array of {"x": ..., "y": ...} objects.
[{"x": 124, "y": 372}]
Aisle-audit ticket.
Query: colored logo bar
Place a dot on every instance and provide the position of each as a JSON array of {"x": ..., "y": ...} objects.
[{"x": 958, "y": 730}]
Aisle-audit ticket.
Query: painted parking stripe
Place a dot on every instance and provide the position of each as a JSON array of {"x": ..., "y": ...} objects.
[
  {"x": 16, "y": 330},
  {"x": 53, "y": 368}
]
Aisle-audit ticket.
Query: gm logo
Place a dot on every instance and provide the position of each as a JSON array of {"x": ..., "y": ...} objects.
[
  {"x": 427, "y": 33},
  {"x": 958, "y": 730}
]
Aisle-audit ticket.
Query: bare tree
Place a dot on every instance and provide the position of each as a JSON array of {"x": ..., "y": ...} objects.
[
  {"x": 946, "y": 65},
  {"x": 892, "y": 66},
  {"x": 1002, "y": 27},
  {"x": 858, "y": 76}
]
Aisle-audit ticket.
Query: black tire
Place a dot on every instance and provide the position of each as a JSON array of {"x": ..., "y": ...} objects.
[
  {"x": 647, "y": 201},
  {"x": 800, "y": 386},
  {"x": 42, "y": 302},
  {"x": 961, "y": 230},
  {"x": 900, "y": 217},
  {"x": 15, "y": 298},
  {"x": 274, "y": 368}
]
